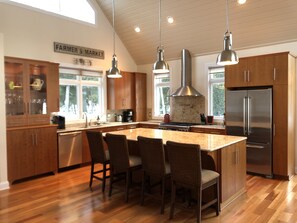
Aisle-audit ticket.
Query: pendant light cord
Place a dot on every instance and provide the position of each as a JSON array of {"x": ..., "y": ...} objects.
[
  {"x": 227, "y": 16},
  {"x": 113, "y": 27},
  {"x": 160, "y": 24}
]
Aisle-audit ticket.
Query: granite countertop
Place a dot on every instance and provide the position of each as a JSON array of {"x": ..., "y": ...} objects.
[
  {"x": 207, "y": 142},
  {"x": 81, "y": 127}
]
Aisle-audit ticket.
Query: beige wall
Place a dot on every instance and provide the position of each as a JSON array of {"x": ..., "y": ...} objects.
[
  {"x": 200, "y": 66},
  {"x": 30, "y": 34},
  {"x": 3, "y": 160}
]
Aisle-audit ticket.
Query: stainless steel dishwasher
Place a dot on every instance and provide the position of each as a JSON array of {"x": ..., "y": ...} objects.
[{"x": 70, "y": 149}]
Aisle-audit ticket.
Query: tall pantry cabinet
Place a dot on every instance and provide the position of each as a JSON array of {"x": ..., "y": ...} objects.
[
  {"x": 31, "y": 94},
  {"x": 278, "y": 71}
]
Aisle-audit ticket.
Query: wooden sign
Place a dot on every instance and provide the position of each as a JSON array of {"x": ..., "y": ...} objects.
[{"x": 78, "y": 50}]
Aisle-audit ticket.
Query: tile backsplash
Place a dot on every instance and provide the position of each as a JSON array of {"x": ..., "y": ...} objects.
[{"x": 187, "y": 109}]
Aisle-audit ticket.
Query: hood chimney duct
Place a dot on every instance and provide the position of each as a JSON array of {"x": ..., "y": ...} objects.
[{"x": 186, "y": 88}]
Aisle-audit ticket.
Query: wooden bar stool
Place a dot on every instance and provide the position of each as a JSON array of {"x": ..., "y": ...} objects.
[
  {"x": 186, "y": 171},
  {"x": 98, "y": 155}
]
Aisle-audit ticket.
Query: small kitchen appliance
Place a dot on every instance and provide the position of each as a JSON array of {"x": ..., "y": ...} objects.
[
  {"x": 59, "y": 120},
  {"x": 128, "y": 115}
]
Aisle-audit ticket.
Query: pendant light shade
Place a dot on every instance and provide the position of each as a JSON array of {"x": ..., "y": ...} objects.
[
  {"x": 227, "y": 56},
  {"x": 160, "y": 66},
  {"x": 114, "y": 72}
]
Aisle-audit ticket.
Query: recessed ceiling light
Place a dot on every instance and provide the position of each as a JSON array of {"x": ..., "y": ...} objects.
[
  {"x": 241, "y": 1},
  {"x": 137, "y": 29},
  {"x": 170, "y": 19}
]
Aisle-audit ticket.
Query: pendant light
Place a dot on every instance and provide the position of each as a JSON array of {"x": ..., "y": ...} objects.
[
  {"x": 227, "y": 56},
  {"x": 160, "y": 66},
  {"x": 114, "y": 72}
]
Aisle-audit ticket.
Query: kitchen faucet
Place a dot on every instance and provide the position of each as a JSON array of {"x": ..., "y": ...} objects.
[{"x": 86, "y": 117}]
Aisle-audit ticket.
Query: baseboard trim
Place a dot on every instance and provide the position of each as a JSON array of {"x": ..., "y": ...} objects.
[{"x": 4, "y": 185}]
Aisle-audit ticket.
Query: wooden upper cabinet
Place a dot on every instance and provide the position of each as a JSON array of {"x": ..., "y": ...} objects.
[
  {"x": 281, "y": 68},
  {"x": 264, "y": 70},
  {"x": 31, "y": 91},
  {"x": 140, "y": 97},
  {"x": 121, "y": 92},
  {"x": 53, "y": 102},
  {"x": 235, "y": 75},
  {"x": 128, "y": 92},
  {"x": 128, "y": 97}
]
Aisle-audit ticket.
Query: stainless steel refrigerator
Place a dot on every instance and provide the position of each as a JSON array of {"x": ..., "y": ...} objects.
[{"x": 249, "y": 113}]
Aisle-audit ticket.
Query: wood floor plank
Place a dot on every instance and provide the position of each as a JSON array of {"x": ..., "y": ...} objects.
[{"x": 66, "y": 197}]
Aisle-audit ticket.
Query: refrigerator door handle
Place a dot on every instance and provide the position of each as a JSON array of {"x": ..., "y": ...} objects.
[
  {"x": 254, "y": 146},
  {"x": 244, "y": 116},
  {"x": 248, "y": 116}
]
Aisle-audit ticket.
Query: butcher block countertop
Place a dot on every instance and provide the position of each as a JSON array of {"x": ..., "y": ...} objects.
[{"x": 207, "y": 142}]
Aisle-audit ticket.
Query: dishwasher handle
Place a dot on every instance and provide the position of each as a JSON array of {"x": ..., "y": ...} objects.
[{"x": 69, "y": 134}]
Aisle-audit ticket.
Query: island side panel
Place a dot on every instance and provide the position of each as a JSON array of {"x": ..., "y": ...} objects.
[{"x": 232, "y": 168}]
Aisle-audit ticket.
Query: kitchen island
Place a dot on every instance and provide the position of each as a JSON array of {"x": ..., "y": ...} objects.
[{"x": 227, "y": 153}]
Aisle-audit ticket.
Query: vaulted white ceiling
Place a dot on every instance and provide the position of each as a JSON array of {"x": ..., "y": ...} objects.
[{"x": 200, "y": 25}]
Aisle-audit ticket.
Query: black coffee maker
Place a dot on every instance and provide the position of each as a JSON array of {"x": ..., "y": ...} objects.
[
  {"x": 59, "y": 120},
  {"x": 128, "y": 115}
]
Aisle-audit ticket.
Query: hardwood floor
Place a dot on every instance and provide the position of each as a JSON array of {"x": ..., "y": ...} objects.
[{"x": 65, "y": 197}]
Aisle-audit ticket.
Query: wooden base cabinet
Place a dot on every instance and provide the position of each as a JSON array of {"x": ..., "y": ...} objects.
[
  {"x": 31, "y": 151},
  {"x": 209, "y": 130},
  {"x": 233, "y": 171}
]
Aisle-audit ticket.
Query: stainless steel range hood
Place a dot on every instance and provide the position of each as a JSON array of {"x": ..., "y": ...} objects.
[{"x": 186, "y": 88}]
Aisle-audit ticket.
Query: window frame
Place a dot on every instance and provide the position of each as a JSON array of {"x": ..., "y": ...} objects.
[
  {"x": 210, "y": 84},
  {"x": 155, "y": 87},
  {"x": 79, "y": 83}
]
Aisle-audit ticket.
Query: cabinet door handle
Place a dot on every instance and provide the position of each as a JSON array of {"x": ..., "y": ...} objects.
[
  {"x": 248, "y": 76},
  {"x": 254, "y": 146},
  {"x": 32, "y": 138},
  {"x": 120, "y": 128},
  {"x": 274, "y": 73},
  {"x": 244, "y": 76},
  {"x": 273, "y": 130},
  {"x": 36, "y": 142}
]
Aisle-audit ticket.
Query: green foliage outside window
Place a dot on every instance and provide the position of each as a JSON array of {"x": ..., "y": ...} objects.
[
  {"x": 218, "y": 99},
  {"x": 217, "y": 91}
]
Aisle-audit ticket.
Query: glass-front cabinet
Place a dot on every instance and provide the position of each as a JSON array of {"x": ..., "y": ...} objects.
[{"x": 27, "y": 84}]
